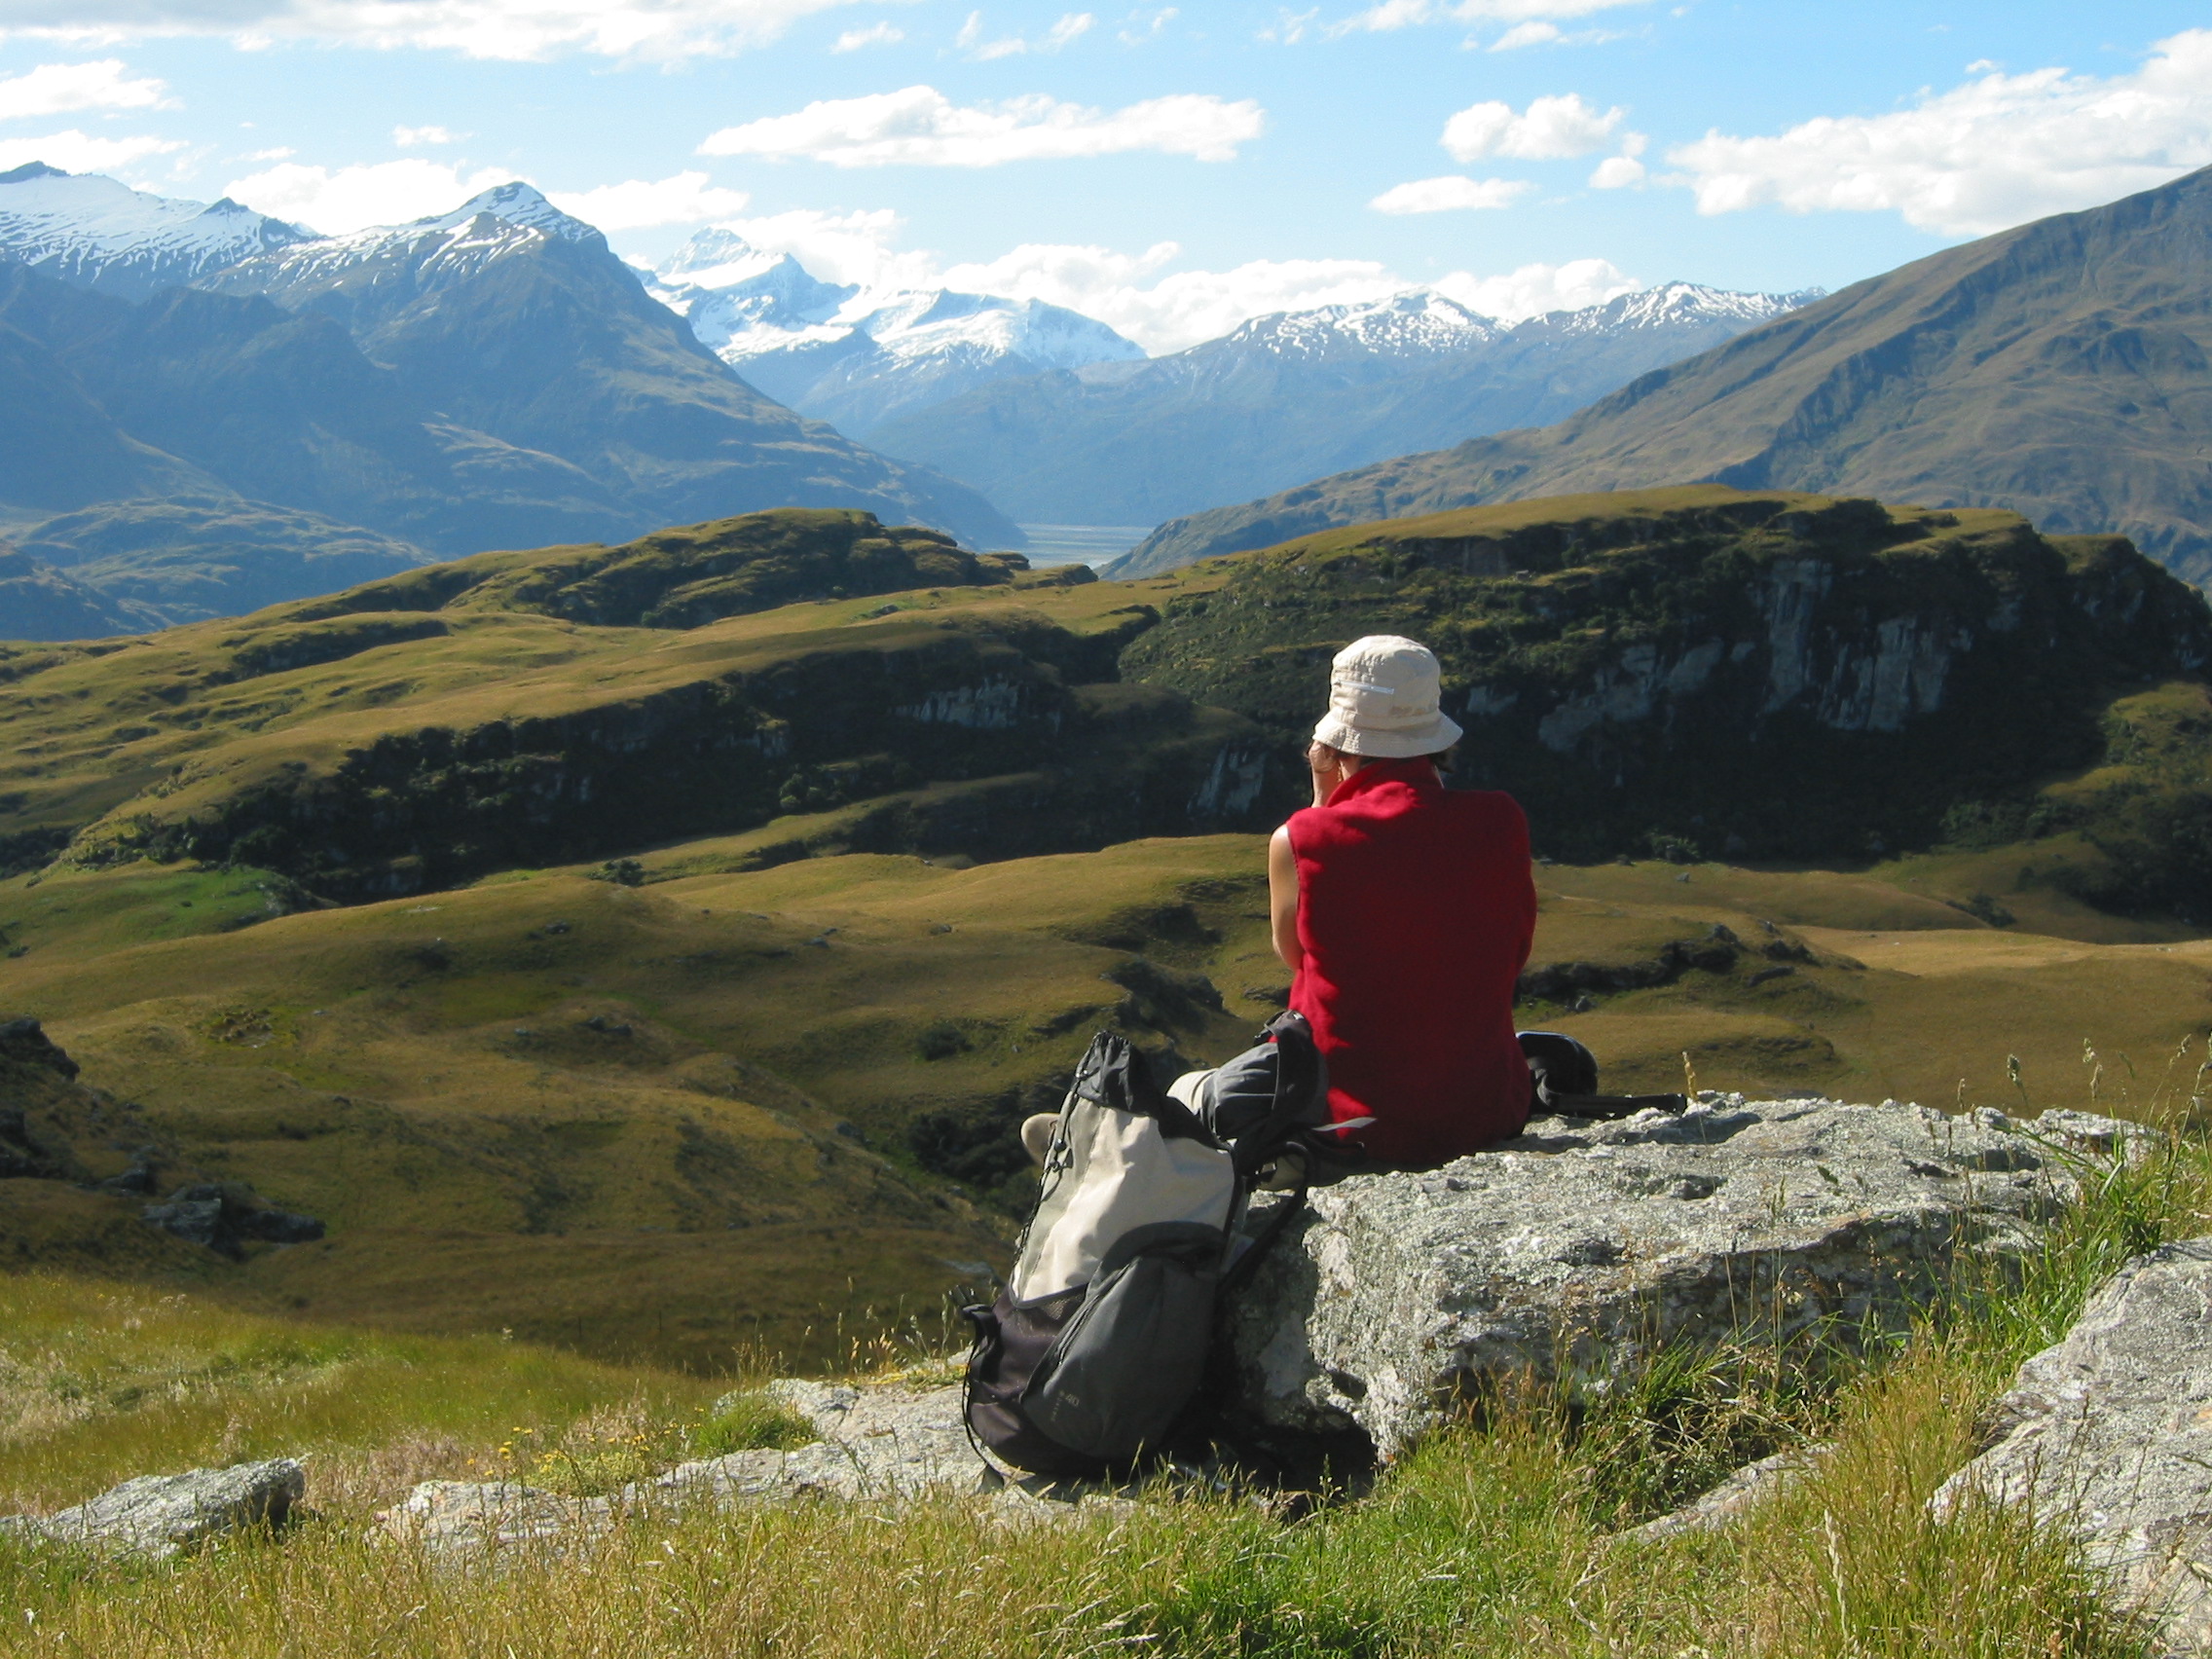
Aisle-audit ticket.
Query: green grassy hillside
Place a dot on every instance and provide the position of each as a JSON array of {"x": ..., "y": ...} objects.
[
  {"x": 156, "y": 564},
  {"x": 648, "y": 949}
]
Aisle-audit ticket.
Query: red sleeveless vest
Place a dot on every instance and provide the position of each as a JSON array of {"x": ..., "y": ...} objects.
[{"x": 1415, "y": 905}]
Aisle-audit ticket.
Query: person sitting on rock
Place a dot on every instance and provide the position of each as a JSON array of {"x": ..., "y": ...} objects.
[{"x": 1404, "y": 911}]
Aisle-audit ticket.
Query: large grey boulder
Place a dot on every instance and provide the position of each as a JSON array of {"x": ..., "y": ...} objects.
[
  {"x": 155, "y": 1516},
  {"x": 2107, "y": 1434},
  {"x": 1578, "y": 1250}
]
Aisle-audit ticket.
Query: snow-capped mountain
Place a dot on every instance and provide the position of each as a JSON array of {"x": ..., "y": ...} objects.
[
  {"x": 1671, "y": 306},
  {"x": 1418, "y": 324},
  {"x": 1297, "y": 394},
  {"x": 856, "y": 356},
  {"x": 94, "y": 233},
  {"x": 420, "y": 256}
]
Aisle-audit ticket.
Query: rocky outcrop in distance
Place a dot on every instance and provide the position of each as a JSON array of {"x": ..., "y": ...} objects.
[
  {"x": 1704, "y": 671},
  {"x": 155, "y": 1517}
]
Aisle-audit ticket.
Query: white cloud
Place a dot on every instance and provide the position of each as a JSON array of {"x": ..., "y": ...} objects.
[
  {"x": 1161, "y": 312},
  {"x": 1289, "y": 27},
  {"x": 1388, "y": 14},
  {"x": 1178, "y": 310},
  {"x": 408, "y": 137},
  {"x": 686, "y": 199},
  {"x": 920, "y": 126},
  {"x": 283, "y": 152},
  {"x": 510, "y": 30},
  {"x": 1995, "y": 151},
  {"x": 79, "y": 152},
  {"x": 1534, "y": 289},
  {"x": 1143, "y": 26},
  {"x": 1449, "y": 193},
  {"x": 1550, "y": 128},
  {"x": 841, "y": 248},
  {"x": 56, "y": 88},
  {"x": 354, "y": 198},
  {"x": 1070, "y": 26},
  {"x": 875, "y": 34},
  {"x": 1616, "y": 172},
  {"x": 1620, "y": 172}
]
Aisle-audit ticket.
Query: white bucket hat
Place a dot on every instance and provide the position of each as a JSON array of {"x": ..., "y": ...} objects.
[{"x": 1383, "y": 700}]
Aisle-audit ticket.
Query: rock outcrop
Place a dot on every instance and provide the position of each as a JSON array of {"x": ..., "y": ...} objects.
[
  {"x": 2107, "y": 1434},
  {"x": 1578, "y": 1250},
  {"x": 225, "y": 1216},
  {"x": 156, "y": 1516},
  {"x": 880, "y": 1442}
]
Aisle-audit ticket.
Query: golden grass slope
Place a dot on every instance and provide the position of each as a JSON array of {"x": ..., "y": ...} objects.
[{"x": 713, "y": 1111}]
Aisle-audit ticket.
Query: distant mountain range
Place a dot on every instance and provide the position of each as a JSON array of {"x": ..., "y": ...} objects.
[
  {"x": 858, "y": 357},
  {"x": 494, "y": 377},
  {"x": 2063, "y": 368},
  {"x": 1060, "y": 420},
  {"x": 1287, "y": 396}
]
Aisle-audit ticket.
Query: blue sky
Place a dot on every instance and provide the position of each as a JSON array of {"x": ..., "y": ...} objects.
[{"x": 1171, "y": 170}]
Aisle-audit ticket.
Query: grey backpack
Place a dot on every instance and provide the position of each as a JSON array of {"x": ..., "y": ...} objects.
[{"x": 1099, "y": 1341}]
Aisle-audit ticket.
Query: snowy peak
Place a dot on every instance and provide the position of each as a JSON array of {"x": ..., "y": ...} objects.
[
  {"x": 512, "y": 204},
  {"x": 444, "y": 246},
  {"x": 939, "y": 322},
  {"x": 1673, "y": 306},
  {"x": 1419, "y": 322},
  {"x": 95, "y": 233},
  {"x": 741, "y": 300},
  {"x": 745, "y": 302}
]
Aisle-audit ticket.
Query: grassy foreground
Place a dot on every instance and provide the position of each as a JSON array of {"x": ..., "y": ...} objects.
[{"x": 1491, "y": 1538}]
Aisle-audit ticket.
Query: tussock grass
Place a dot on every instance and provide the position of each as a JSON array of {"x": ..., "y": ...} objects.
[{"x": 1499, "y": 1536}]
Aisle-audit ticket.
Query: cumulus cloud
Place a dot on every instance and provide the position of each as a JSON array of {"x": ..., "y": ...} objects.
[
  {"x": 841, "y": 248},
  {"x": 920, "y": 126},
  {"x": 1450, "y": 193},
  {"x": 686, "y": 199},
  {"x": 1620, "y": 172},
  {"x": 73, "y": 151},
  {"x": 1995, "y": 151},
  {"x": 57, "y": 88},
  {"x": 875, "y": 34},
  {"x": 408, "y": 137},
  {"x": 513, "y": 30},
  {"x": 1166, "y": 312},
  {"x": 352, "y": 198},
  {"x": 1535, "y": 289},
  {"x": 1070, "y": 26},
  {"x": 1178, "y": 310},
  {"x": 1550, "y": 128}
]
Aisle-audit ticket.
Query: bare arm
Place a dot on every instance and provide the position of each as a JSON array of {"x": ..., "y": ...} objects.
[{"x": 1282, "y": 899}]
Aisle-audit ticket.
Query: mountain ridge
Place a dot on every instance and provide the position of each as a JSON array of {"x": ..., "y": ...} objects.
[
  {"x": 1290, "y": 395},
  {"x": 2059, "y": 367},
  {"x": 97, "y": 232}
]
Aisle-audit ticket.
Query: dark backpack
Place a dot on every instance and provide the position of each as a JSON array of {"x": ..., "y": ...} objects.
[
  {"x": 1098, "y": 1343},
  {"x": 1565, "y": 1076}
]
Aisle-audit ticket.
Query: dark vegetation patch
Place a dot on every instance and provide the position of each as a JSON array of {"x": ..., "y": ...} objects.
[{"x": 1756, "y": 677}]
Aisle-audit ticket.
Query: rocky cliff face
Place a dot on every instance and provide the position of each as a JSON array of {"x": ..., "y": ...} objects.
[
  {"x": 1709, "y": 671},
  {"x": 577, "y": 702}
]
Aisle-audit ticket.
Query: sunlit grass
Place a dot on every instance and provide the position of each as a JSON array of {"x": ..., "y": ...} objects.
[{"x": 1500, "y": 1535}]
